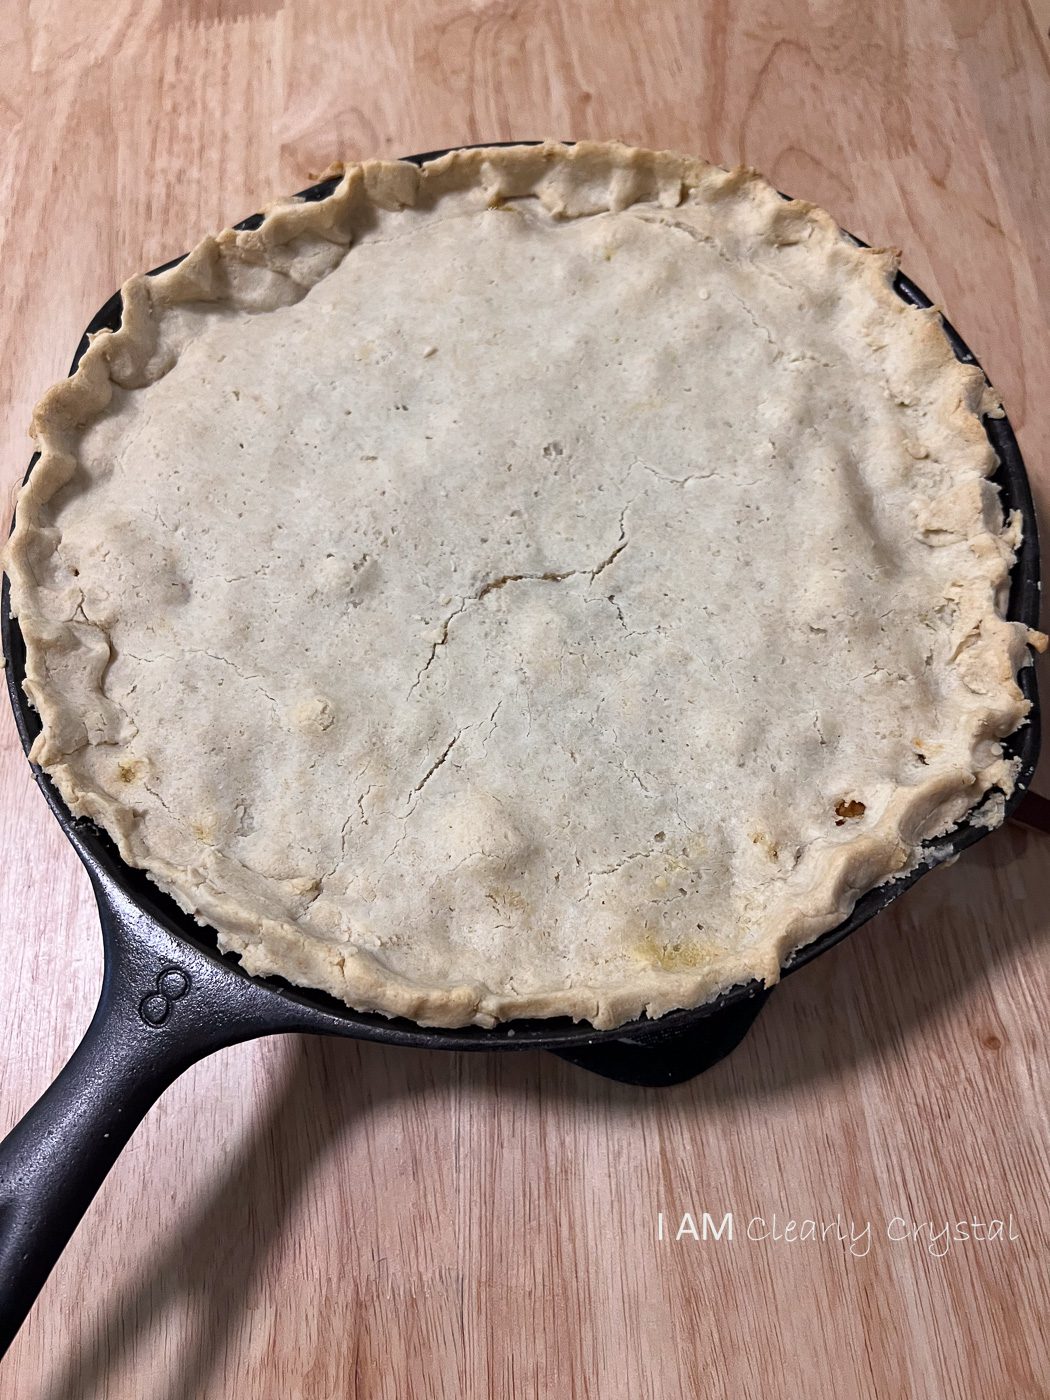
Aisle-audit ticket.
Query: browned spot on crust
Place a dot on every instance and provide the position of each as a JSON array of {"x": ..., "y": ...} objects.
[
  {"x": 772, "y": 850},
  {"x": 675, "y": 956}
]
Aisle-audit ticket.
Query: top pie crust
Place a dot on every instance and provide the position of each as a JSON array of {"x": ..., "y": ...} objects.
[{"x": 550, "y": 581}]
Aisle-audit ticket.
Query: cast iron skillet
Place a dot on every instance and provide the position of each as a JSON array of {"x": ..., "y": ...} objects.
[{"x": 169, "y": 997}]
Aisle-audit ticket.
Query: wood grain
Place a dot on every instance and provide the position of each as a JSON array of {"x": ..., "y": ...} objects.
[{"x": 304, "y": 1220}]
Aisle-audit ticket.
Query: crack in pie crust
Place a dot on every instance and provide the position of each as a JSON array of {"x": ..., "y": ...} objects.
[{"x": 553, "y": 581}]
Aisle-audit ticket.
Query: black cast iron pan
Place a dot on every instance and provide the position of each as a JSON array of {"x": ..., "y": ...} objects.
[{"x": 169, "y": 997}]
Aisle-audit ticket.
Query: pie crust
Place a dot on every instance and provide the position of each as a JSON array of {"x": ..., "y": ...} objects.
[{"x": 553, "y": 581}]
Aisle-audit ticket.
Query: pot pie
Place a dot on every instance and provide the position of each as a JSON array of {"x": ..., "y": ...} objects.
[{"x": 550, "y": 581}]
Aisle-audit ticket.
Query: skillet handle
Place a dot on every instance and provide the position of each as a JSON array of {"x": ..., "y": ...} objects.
[
  {"x": 163, "y": 1006},
  {"x": 53, "y": 1161}
]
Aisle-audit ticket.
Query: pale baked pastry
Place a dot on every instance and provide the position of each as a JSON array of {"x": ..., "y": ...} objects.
[{"x": 550, "y": 581}]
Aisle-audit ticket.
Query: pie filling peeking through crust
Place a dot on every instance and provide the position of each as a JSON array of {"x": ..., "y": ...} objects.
[{"x": 553, "y": 581}]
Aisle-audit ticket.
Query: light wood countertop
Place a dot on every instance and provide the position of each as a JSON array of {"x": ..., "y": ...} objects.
[{"x": 305, "y": 1220}]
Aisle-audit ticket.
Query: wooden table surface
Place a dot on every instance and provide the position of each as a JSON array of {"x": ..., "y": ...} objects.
[{"x": 308, "y": 1220}]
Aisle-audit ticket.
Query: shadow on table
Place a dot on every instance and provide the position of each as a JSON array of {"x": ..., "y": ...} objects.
[{"x": 860, "y": 1002}]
